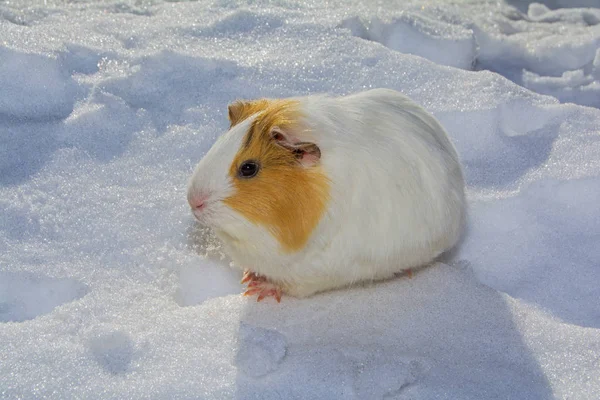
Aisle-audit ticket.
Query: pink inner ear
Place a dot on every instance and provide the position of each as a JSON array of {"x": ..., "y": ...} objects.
[
  {"x": 309, "y": 159},
  {"x": 308, "y": 154}
]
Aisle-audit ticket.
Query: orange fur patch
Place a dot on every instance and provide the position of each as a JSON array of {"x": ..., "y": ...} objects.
[{"x": 285, "y": 197}]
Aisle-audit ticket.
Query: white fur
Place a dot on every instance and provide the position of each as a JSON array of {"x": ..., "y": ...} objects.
[{"x": 397, "y": 194}]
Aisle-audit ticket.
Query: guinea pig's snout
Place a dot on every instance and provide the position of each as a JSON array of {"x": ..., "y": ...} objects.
[{"x": 197, "y": 202}]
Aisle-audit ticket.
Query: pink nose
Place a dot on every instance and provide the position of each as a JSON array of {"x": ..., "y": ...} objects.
[{"x": 197, "y": 202}]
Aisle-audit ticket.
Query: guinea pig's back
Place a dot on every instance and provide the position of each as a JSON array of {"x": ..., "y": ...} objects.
[
  {"x": 403, "y": 117},
  {"x": 395, "y": 175}
]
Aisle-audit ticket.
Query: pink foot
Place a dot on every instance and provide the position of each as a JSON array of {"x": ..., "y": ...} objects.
[{"x": 259, "y": 285}]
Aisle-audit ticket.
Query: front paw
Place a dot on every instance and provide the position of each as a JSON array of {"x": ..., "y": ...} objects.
[{"x": 260, "y": 286}]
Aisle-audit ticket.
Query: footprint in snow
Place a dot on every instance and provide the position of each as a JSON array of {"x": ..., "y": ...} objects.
[
  {"x": 383, "y": 374},
  {"x": 113, "y": 350},
  {"x": 260, "y": 350}
]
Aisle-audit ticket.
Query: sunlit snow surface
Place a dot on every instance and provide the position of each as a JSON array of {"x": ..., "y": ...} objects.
[{"x": 108, "y": 288}]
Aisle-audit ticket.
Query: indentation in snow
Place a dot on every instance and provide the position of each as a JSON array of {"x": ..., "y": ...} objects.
[
  {"x": 103, "y": 129},
  {"x": 260, "y": 350},
  {"x": 167, "y": 84},
  {"x": 202, "y": 279},
  {"x": 25, "y": 148},
  {"x": 81, "y": 59},
  {"x": 381, "y": 374},
  {"x": 17, "y": 221},
  {"x": 24, "y": 296},
  {"x": 113, "y": 350}
]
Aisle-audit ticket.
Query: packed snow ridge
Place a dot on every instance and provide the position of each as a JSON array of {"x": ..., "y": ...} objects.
[{"x": 529, "y": 48}]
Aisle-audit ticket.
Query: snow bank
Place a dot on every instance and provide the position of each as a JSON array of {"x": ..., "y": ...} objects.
[
  {"x": 548, "y": 51},
  {"x": 524, "y": 4},
  {"x": 533, "y": 50}
]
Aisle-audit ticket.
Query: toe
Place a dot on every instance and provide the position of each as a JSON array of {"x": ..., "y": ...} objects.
[{"x": 248, "y": 276}]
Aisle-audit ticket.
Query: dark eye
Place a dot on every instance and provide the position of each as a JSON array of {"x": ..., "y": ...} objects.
[{"x": 248, "y": 169}]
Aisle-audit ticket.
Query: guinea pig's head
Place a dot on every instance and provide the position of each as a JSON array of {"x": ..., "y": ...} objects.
[{"x": 265, "y": 172}]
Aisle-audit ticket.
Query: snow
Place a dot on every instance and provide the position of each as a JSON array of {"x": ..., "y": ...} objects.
[
  {"x": 109, "y": 288},
  {"x": 29, "y": 93},
  {"x": 440, "y": 42},
  {"x": 529, "y": 47},
  {"x": 561, "y": 263}
]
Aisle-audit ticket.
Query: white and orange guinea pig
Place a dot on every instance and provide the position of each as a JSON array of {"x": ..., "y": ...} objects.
[{"x": 314, "y": 193}]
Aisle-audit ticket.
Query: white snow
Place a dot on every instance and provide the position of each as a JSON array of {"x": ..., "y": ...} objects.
[
  {"x": 412, "y": 33},
  {"x": 109, "y": 289}
]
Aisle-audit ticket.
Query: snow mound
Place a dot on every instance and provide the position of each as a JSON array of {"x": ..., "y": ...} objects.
[
  {"x": 437, "y": 41},
  {"x": 35, "y": 87},
  {"x": 242, "y": 22},
  {"x": 551, "y": 52},
  {"x": 538, "y": 12},
  {"x": 580, "y": 85},
  {"x": 511, "y": 139}
]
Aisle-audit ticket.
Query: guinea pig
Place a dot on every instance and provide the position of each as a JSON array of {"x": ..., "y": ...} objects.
[{"x": 314, "y": 193}]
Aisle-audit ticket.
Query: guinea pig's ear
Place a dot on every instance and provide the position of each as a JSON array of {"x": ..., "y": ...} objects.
[
  {"x": 241, "y": 109},
  {"x": 236, "y": 111},
  {"x": 308, "y": 154}
]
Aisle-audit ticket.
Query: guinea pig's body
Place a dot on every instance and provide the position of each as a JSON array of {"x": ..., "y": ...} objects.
[{"x": 315, "y": 193}]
